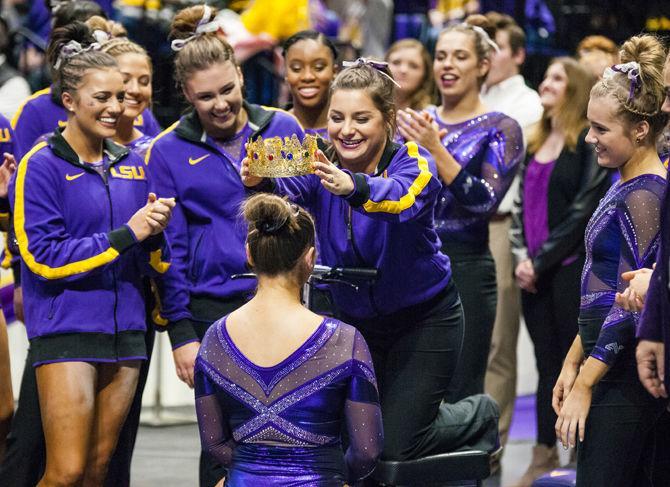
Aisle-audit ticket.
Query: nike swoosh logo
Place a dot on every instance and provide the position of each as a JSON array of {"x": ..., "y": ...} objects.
[
  {"x": 72, "y": 178},
  {"x": 193, "y": 162}
]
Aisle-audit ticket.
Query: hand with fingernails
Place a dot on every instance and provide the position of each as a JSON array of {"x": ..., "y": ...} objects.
[
  {"x": 7, "y": 168},
  {"x": 152, "y": 218},
  {"x": 421, "y": 128},
  {"x": 332, "y": 178}
]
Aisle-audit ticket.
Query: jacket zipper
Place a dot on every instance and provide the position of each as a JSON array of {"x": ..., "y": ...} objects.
[
  {"x": 359, "y": 257},
  {"x": 111, "y": 224}
]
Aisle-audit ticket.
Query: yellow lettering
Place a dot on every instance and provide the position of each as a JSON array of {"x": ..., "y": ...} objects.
[
  {"x": 128, "y": 172},
  {"x": 5, "y": 136},
  {"x": 138, "y": 121}
]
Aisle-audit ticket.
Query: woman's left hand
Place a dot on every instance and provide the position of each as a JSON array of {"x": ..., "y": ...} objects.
[
  {"x": 420, "y": 128},
  {"x": 7, "y": 168},
  {"x": 575, "y": 410},
  {"x": 332, "y": 178}
]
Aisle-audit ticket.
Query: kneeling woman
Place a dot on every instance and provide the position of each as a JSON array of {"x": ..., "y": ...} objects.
[
  {"x": 274, "y": 380},
  {"x": 86, "y": 233},
  {"x": 376, "y": 210}
]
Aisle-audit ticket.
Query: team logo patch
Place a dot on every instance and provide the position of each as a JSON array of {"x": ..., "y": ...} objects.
[{"x": 128, "y": 172}]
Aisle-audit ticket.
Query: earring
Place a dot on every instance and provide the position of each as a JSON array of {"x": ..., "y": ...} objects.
[{"x": 638, "y": 140}]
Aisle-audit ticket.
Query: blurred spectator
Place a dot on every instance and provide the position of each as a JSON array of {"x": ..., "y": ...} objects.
[
  {"x": 596, "y": 53},
  {"x": 13, "y": 87},
  {"x": 412, "y": 67},
  {"x": 366, "y": 25},
  {"x": 505, "y": 91}
]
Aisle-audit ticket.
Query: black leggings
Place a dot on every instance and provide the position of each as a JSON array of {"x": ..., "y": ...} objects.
[
  {"x": 415, "y": 352},
  {"x": 474, "y": 274},
  {"x": 627, "y": 437},
  {"x": 551, "y": 319}
]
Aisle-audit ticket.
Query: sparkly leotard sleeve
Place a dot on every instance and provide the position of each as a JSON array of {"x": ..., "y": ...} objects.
[
  {"x": 281, "y": 425},
  {"x": 622, "y": 235}
]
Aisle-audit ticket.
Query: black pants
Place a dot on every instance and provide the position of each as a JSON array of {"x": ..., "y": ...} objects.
[
  {"x": 474, "y": 274},
  {"x": 207, "y": 312},
  {"x": 415, "y": 352},
  {"x": 551, "y": 318},
  {"x": 627, "y": 436}
]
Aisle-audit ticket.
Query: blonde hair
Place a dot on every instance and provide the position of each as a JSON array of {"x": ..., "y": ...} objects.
[
  {"x": 426, "y": 92},
  {"x": 597, "y": 43},
  {"x": 200, "y": 52},
  {"x": 111, "y": 28},
  {"x": 570, "y": 113},
  {"x": 638, "y": 101}
]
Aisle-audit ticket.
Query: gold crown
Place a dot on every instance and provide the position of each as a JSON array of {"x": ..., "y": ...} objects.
[{"x": 272, "y": 158}]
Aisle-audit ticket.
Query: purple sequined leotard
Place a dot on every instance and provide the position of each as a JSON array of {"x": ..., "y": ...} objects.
[
  {"x": 280, "y": 425},
  {"x": 489, "y": 148},
  {"x": 622, "y": 235}
]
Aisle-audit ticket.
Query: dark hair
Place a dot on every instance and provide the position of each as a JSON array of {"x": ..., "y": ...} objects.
[
  {"x": 506, "y": 23},
  {"x": 313, "y": 35},
  {"x": 82, "y": 10},
  {"x": 201, "y": 52},
  {"x": 71, "y": 69},
  {"x": 279, "y": 234},
  {"x": 380, "y": 88}
]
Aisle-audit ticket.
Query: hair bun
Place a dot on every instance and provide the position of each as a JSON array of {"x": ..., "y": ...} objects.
[
  {"x": 478, "y": 20},
  {"x": 74, "y": 31},
  {"x": 648, "y": 51},
  {"x": 187, "y": 20}
]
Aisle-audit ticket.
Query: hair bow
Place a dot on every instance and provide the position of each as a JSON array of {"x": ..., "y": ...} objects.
[
  {"x": 73, "y": 48},
  {"x": 205, "y": 25},
  {"x": 484, "y": 35},
  {"x": 101, "y": 36},
  {"x": 380, "y": 66},
  {"x": 632, "y": 70}
]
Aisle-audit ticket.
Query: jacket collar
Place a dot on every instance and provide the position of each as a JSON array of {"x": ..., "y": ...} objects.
[
  {"x": 115, "y": 152},
  {"x": 191, "y": 129}
]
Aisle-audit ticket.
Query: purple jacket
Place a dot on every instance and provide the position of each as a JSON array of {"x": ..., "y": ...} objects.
[
  {"x": 206, "y": 232},
  {"x": 81, "y": 264},
  {"x": 387, "y": 223},
  {"x": 41, "y": 114}
]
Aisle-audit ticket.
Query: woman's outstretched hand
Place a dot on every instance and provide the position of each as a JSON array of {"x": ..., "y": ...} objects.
[
  {"x": 247, "y": 179},
  {"x": 333, "y": 178}
]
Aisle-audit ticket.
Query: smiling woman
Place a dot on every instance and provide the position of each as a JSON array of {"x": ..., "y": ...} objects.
[
  {"x": 309, "y": 59},
  {"x": 86, "y": 355},
  {"x": 197, "y": 160},
  {"x": 476, "y": 152},
  {"x": 373, "y": 203}
]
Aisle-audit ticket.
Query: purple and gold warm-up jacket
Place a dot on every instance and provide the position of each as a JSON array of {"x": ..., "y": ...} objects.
[
  {"x": 387, "y": 223},
  {"x": 82, "y": 265}
]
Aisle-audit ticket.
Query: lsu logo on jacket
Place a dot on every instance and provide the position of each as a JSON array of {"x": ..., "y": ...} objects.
[{"x": 128, "y": 172}]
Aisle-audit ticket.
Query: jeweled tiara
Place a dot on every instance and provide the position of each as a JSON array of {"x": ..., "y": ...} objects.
[{"x": 274, "y": 158}]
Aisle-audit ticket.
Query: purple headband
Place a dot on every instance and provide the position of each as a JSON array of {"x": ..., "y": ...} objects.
[
  {"x": 632, "y": 70},
  {"x": 378, "y": 65}
]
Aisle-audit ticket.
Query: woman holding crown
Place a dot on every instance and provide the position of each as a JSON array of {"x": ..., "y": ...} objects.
[
  {"x": 197, "y": 161},
  {"x": 373, "y": 207}
]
